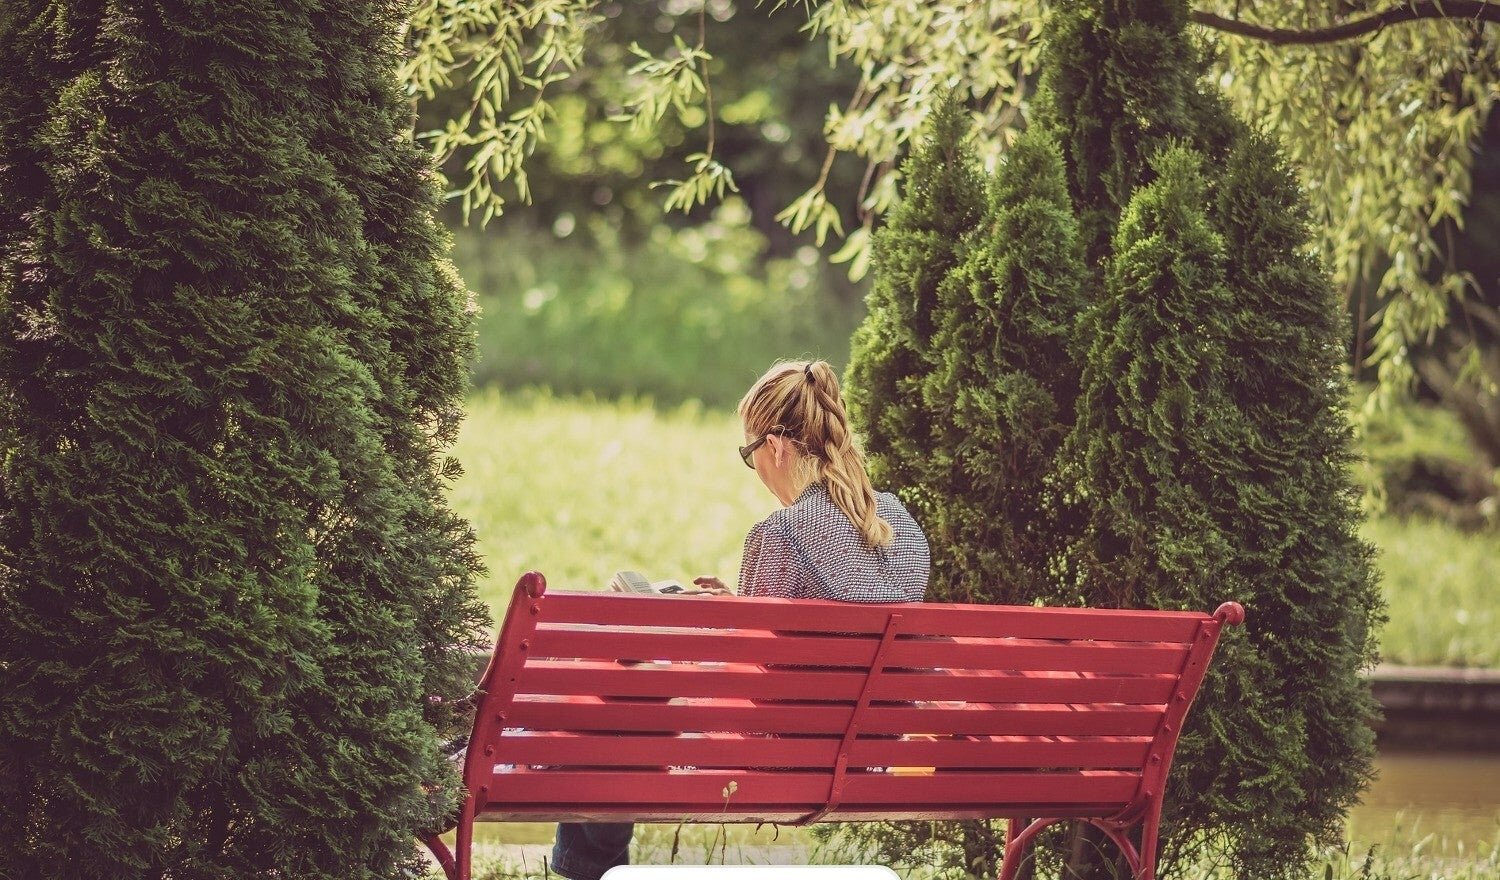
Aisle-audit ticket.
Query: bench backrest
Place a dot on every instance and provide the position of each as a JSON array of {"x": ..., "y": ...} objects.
[{"x": 611, "y": 706}]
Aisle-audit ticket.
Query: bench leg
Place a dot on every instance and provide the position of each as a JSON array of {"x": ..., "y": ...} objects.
[
  {"x": 1150, "y": 827},
  {"x": 1016, "y": 844},
  {"x": 464, "y": 861},
  {"x": 1142, "y": 862},
  {"x": 444, "y": 855},
  {"x": 1013, "y": 826}
]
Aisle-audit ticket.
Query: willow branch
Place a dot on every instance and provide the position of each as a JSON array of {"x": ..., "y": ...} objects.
[
  {"x": 708, "y": 87},
  {"x": 1480, "y": 11}
]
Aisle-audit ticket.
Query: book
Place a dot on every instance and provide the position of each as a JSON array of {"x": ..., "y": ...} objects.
[{"x": 635, "y": 582}]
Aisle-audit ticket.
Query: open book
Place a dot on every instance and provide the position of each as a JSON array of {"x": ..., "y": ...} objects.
[{"x": 635, "y": 582}]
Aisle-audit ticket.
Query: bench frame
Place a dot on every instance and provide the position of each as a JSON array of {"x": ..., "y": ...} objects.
[{"x": 495, "y": 725}]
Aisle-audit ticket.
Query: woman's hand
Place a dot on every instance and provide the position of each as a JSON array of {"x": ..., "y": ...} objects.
[{"x": 712, "y": 585}]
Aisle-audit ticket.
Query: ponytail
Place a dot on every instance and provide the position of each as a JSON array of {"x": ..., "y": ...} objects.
[{"x": 802, "y": 398}]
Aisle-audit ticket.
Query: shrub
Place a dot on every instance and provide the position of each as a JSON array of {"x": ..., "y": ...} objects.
[
  {"x": 1208, "y": 455},
  {"x": 1001, "y": 387},
  {"x": 231, "y": 357},
  {"x": 914, "y": 253}
]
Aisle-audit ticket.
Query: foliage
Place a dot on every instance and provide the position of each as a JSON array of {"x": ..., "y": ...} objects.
[
  {"x": 1461, "y": 366},
  {"x": 995, "y": 380},
  {"x": 913, "y": 255},
  {"x": 1381, "y": 124},
  {"x": 1111, "y": 126},
  {"x": 1296, "y": 507},
  {"x": 1418, "y": 462},
  {"x": 1208, "y": 481},
  {"x": 1154, "y": 404},
  {"x": 638, "y": 113},
  {"x": 698, "y": 313},
  {"x": 1209, "y": 455},
  {"x": 231, "y": 357},
  {"x": 1383, "y": 131}
]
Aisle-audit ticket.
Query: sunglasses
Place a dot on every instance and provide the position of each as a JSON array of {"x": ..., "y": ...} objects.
[{"x": 747, "y": 451}]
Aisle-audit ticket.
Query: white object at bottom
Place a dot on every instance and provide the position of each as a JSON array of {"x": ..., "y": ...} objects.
[{"x": 750, "y": 872}]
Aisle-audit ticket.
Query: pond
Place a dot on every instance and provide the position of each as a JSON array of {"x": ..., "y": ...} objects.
[{"x": 1454, "y": 796}]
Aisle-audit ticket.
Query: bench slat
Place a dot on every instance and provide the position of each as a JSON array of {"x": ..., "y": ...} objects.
[
  {"x": 926, "y": 617},
  {"x": 759, "y": 646},
  {"x": 733, "y": 750},
  {"x": 704, "y": 789},
  {"x": 1017, "y": 719},
  {"x": 608, "y": 678}
]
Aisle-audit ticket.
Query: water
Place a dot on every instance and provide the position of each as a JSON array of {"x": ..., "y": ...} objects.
[{"x": 1454, "y": 796}]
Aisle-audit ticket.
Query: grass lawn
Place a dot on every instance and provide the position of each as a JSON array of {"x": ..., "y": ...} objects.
[
  {"x": 579, "y": 489},
  {"x": 1443, "y": 588}
]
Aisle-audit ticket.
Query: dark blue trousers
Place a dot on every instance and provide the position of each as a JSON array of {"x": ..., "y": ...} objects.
[{"x": 585, "y": 850}]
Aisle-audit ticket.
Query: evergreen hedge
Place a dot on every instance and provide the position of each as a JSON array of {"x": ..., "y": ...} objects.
[
  {"x": 1202, "y": 454},
  {"x": 231, "y": 357}
]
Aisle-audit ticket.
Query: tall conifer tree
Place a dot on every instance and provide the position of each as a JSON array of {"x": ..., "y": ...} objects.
[
  {"x": 1122, "y": 81},
  {"x": 943, "y": 201},
  {"x": 231, "y": 357},
  {"x": 1253, "y": 501},
  {"x": 1295, "y": 513},
  {"x": 1208, "y": 454},
  {"x": 1154, "y": 402},
  {"x": 992, "y": 394},
  {"x": 1001, "y": 386}
]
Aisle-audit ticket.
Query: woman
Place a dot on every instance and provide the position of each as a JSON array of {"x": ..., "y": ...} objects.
[{"x": 834, "y": 537}]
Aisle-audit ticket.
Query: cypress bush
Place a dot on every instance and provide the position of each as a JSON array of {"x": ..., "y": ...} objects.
[
  {"x": 1252, "y": 497},
  {"x": 1299, "y": 558},
  {"x": 1213, "y": 451},
  {"x": 943, "y": 201},
  {"x": 1121, "y": 82},
  {"x": 997, "y": 389},
  {"x": 1154, "y": 409},
  {"x": 1001, "y": 384},
  {"x": 231, "y": 356},
  {"x": 1207, "y": 452}
]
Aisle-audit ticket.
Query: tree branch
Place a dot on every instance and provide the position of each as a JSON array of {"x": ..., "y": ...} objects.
[{"x": 1481, "y": 11}]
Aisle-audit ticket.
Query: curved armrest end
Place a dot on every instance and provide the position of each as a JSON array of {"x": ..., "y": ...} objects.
[
  {"x": 1230, "y": 614},
  {"x": 533, "y": 584}
]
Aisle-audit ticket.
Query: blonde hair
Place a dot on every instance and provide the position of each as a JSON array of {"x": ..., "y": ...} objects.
[{"x": 800, "y": 400}]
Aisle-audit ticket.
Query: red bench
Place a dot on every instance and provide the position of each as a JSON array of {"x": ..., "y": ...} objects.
[{"x": 610, "y": 707}]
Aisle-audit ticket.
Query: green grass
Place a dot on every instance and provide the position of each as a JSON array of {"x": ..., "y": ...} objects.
[
  {"x": 1402, "y": 853},
  {"x": 1443, "y": 589},
  {"x": 579, "y": 489}
]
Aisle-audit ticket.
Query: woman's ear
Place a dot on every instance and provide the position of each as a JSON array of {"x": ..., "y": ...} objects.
[{"x": 778, "y": 448}]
